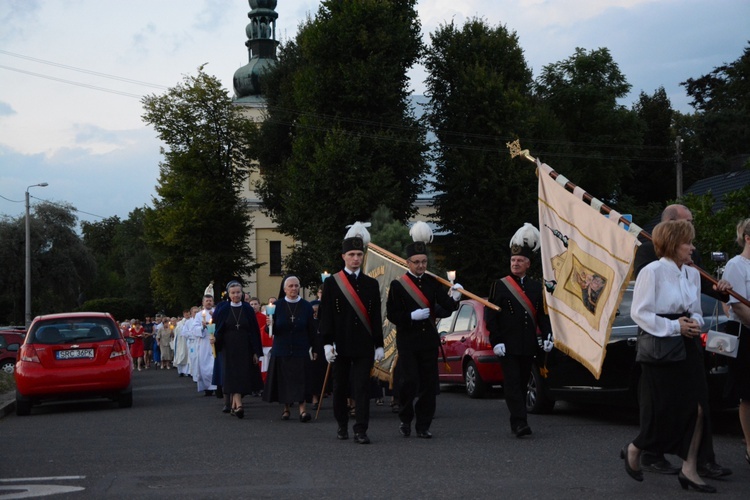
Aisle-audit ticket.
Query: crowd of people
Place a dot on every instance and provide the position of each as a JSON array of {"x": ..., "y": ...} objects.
[{"x": 287, "y": 350}]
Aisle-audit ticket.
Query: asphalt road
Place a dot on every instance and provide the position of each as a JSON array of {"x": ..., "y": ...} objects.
[{"x": 175, "y": 443}]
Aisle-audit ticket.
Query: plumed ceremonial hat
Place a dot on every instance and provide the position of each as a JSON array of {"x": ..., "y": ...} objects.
[
  {"x": 356, "y": 238},
  {"x": 525, "y": 242},
  {"x": 422, "y": 235}
]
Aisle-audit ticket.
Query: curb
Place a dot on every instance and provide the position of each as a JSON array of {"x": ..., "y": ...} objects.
[{"x": 7, "y": 403}]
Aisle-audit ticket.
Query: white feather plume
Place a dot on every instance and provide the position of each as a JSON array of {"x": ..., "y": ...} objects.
[
  {"x": 209, "y": 289},
  {"x": 526, "y": 235},
  {"x": 421, "y": 231},
  {"x": 359, "y": 229}
]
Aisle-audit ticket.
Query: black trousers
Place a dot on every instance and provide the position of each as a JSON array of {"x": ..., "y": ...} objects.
[
  {"x": 351, "y": 378},
  {"x": 419, "y": 372},
  {"x": 516, "y": 372}
]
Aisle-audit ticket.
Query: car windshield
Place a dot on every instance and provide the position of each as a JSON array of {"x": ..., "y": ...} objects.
[{"x": 62, "y": 331}]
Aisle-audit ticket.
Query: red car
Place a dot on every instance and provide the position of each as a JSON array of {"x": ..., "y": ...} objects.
[
  {"x": 11, "y": 339},
  {"x": 466, "y": 343},
  {"x": 73, "y": 356}
]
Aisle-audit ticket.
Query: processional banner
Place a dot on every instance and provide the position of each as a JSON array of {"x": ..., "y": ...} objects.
[
  {"x": 587, "y": 260},
  {"x": 384, "y": 270}
]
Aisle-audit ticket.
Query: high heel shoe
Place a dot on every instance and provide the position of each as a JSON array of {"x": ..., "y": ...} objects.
[
  {"x": 635, "y": 474},
  {"x": 685, "y": 482},
  {"x": 304, "y": 417},
  {"x": 238, "y": 412},
  {"x": 285, "y": 415}
]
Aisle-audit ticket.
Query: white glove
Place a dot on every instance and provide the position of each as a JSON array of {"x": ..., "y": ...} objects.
[
  {"x": 420, "y": 314},
  {"x": 499, "y": 350},
  {"x": 454, "y": 292},
  {"x": 379, "y": 354},
  {"x": 330, "y": 353},
  {"x": 548, "y": 344}
]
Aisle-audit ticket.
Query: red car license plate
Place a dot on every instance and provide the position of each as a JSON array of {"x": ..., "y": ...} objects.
[{"x": 75, "y": 354}]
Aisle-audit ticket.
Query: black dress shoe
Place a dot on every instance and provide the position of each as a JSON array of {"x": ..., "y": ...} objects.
[
  {"x": 685, "y": 482},
  {"x": 635, "y": 474},
  {"x": 713, "y": 470},
  {"x": 226, "y": 409},
  {"x": 660, "y": 466},
  {"x": 342, "y": 433},
  {"x": 208, "y": 393},
  {"x": 404, "y": 429},
  {"x": 361, "y": 438},
  {"x": 424, "y": 434},
  {"x": 523, "y": 430}
]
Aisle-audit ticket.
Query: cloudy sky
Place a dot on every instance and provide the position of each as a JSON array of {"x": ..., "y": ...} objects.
[{"x": 72, "y": 73}]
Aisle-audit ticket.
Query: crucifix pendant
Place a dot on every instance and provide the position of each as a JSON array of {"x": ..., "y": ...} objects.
[
  {"x": 292, "y": 318},
  {"x": 237, "y": 326}
]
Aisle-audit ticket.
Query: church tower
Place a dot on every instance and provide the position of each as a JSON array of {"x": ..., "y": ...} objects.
[
  {"x": 261, "y": 48},
  {"x": 268, "y": 245}
]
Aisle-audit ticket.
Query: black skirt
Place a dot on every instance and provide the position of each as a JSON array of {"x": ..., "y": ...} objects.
[
  {"x": 669, "y": 396},
  {"x": 286, "y": 381}
]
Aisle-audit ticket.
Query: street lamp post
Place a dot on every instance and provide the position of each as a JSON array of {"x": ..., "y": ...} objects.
[{"x": 28, "y": 255}]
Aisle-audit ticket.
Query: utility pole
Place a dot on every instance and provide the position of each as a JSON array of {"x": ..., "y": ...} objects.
[{"x": 678, "y": 166}]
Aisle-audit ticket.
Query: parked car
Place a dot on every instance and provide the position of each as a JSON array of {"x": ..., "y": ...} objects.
[
  {"x": 568, "y": 380},
  {"x": 73, "y": 356},
  {"x": 11, "y": 339},
  {"x": 465, "y": 341}
]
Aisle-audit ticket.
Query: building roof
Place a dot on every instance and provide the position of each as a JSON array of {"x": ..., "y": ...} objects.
[{"x": 720, "y": 185}]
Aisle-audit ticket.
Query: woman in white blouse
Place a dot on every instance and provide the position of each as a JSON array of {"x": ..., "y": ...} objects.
[
  {"x": 737, "y": 273},
  {"x": 666, "y": 303}
]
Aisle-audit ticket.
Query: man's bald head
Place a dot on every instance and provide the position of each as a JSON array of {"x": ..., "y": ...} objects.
[{"x": 677, "y": 212}]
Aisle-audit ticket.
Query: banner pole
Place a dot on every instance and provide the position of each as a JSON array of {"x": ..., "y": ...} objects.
[
  {"x": 402, "y": 262},
  {"x": 515, "y": 150}
]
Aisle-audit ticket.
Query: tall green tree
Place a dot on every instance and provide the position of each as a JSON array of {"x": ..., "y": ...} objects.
[
  {"x": 717, "y": 230},
  {"x": 480, "y": 89},
  {"x": 99, "y": 238},
  {"x": 61, "y": 265},
  {"x": 651, "y": 179},
  {"x": 199, "y": 225},
  {"x": 123, "y": 259},
  {"x": 602, "y": 136},
  {"x": 722, "y": 103},
  {"x": 340, "y": 137}
]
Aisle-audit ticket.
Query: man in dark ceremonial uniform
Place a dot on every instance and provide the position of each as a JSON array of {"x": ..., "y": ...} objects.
[
  {"x": 657, "y": 462},
  {"x": 411, "y": 304},
  {"x": 350, "y": 326},
  {"x": 517, "y": 329}
]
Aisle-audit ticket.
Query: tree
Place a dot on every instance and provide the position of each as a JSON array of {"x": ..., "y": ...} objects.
[
  {"x": 717, "y": 231},
  {"x": 722, "y": 101},
  {"x": 124, "y": 261},
  {"x": 339, "y": 138},
  {"x": 199, "y": 226},
  {"x": 480, "y": 90},
  {"x": 61, "y": 265},
  {"x": 388, "y": 233},
  {"x": 602, "y": 136}
]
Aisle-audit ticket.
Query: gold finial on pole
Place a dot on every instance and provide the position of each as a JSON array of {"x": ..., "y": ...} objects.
[{"x": 515, "y": 150}]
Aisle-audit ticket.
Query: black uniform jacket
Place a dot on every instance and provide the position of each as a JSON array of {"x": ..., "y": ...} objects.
[
  {"x": 512, "y": 325},
  {"x": 416, "y": 335},
  {"x": 340, "y": 324}
]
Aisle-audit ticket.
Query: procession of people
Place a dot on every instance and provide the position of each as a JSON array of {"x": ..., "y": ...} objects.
[{"x": 273, "y": 351}]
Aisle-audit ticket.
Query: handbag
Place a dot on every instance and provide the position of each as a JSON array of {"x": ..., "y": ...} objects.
[
  {"x": 659, "y": 350},
  {"x": 725, "y": 344}
]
